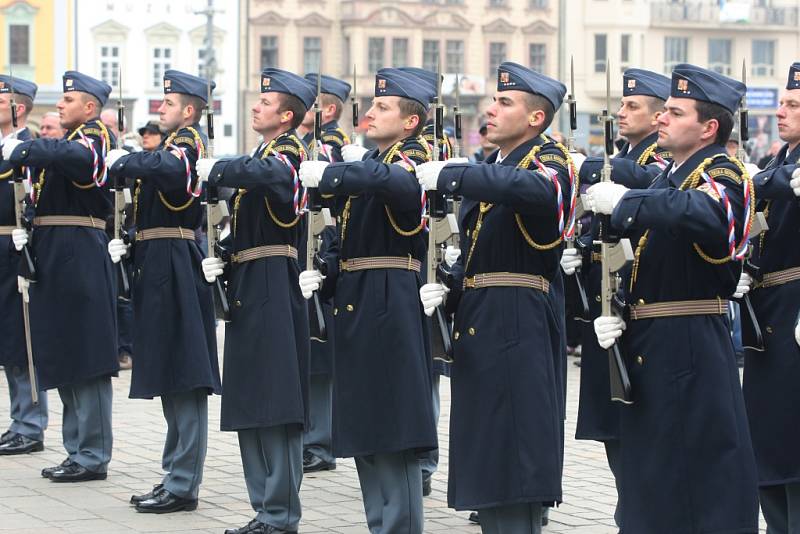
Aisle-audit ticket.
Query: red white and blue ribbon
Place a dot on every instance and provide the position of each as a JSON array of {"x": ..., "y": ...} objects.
[
  {"x": 423, "y": 195},
  {"x": 736, "y": 252},
  {"x": 99, "y": 176},
  {"x": 553, "y": 175},
  {"x": 198, "y": 188},
  {"x": 298, "y": 202}
]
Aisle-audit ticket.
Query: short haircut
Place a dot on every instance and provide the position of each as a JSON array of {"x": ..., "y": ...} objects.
[
  {"x": 91, "y": 98},
  {"x": 327, "y": 99},
  {"x": 25, "y": 101},
  {"x": 538, "y": 102},
  {"x": 707, "y": 111},
  {"x": 197, "y": 103},
  {"x": 295, "y": 105},
  {"x": 409, "y": 107},
  {"x": 655, "y": 104}
]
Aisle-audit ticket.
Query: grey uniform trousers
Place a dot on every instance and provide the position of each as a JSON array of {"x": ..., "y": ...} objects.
[
  {"x": 391, "y": 486},
  {"x": 185, "y": 448},
  {"x": 429, "y": 461},
  {"x": 523, "y": 518},
  {"x": 781, "y": 508},
  {"x": 317, "y": 437},
  {"x": 86, "y": 423},
  {"x": 27, "y": 418},
  {"x": 272, "y": 458}
]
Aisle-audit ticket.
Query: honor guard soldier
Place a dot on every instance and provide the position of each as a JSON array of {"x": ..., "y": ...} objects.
[
  {"x": 382, "y": 413},
  {"x": 514, "y": 214},
  {"x": 433, "y": 80},
  {"x": 317, "y": 450},
  {"x": 175, "y": 335},
  {"x": 266, "y": 369},
  {"x": 635, "y": 166},
  {"x": 72, "y": 303},
  {"x": 771, "y": 377},
  {"x": 28, "y": 420},
  {"x": 687, "y": 462}
]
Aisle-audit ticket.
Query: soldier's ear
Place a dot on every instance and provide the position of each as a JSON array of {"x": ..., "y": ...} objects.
[
  {"x": 656, "y": 115},
  {"x": 536, "y": 117}
]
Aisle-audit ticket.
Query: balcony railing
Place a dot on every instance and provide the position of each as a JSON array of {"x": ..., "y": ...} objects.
[{"x": 710, "y": 14}]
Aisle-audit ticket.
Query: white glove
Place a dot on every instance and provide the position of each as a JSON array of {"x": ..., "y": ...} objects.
[
  {"x": 752, "y": 169},
  {"x": 204, "y": 166},
  {"x": 797, "y": 332},
  {"x": 311, "y": 172},
  {"x": 577, "y": 159},
  {"x": 428, "y": 173},
  {"x": 431, "y": 295},
  {"x": 212, "y": 268},
  {"x": 451, "y": 255},
  {"x": 22, "y": 286},
  {"x": 743, "y": 285},
  {"x": 608, "y": 329},
  {"x": 20, "y": 238},
  {"x": 113, "y": 156},
  {"x": 604, "y": 197},
  {"x": 794, "y": 182},
  {"x": 117, "y": 249},
  {"x": 353, "y": 152},
  {"x": 8, "y": 147},
  {"x": 310, "y": 281},
  {"x": 571, "y": 259}
]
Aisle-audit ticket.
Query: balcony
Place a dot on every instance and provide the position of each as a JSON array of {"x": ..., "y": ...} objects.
[{"x": 734, "y": 16}]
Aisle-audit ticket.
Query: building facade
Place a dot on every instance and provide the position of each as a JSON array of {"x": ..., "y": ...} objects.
[
  {"x": 470, "y": 36},
  {"x": 37, "y": 37},
  {"x": 143, "y": 39}
]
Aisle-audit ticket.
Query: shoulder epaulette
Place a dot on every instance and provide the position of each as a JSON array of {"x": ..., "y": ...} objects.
[
  {"x": 290, "y": 143},
  {"x": 334, "y": 137}
]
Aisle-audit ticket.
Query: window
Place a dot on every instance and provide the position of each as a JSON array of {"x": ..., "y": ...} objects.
[
  {"x": 625, "y": 51},
  {"x": 719, "y": 55},
  {"x": 454, "y": 2},
  {"x": 600, "y": 52},
  {"x": 19, "y": 52},
  {"x": 537, "y": 4},
  {"x": 454, "y": 58},
  {"x": 269, "y": 51},
  {"x": 348, "y": 63},
  {"x": 162, "y": 61},
  {"x": 430, "y": 55},
  {"x": 675, "y": 50},
  {"x": 312, "y": 54},
  {"x": 375, "y": 53},
  {"x": 109, "y": 65},
  {"x": 497, "y": 3},
  {"x": 497, "y": 54},
  {"x": 201, "y": 63},
  {"x": 763, "y": 58},
  {"x": 400, "y": 52},
  {"x": 537, "y": 57}
]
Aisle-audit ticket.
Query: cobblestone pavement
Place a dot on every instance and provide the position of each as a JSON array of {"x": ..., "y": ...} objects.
[{"x": 331, "y": 500}]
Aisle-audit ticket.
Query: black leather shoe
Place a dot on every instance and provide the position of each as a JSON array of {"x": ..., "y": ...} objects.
[
  {"x": 276, "y": 530},
  {"x": 426, "y": 486},
  {"x": 7, "y": 436},
  {"x": 75, "y": 473},
  {"x": 136, "y": 499},
  {"x": 20, "y": 444},
  {"x": 253, "y": 527},
  {"x": 47, "y": 471},
  {"x": 474, "y": 517},
  {"x": 165, "y": 503},
  {"x": 315, "y": 463}
]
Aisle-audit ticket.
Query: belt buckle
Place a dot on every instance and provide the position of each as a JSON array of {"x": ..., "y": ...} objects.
[{"x": 469, "y": 282}]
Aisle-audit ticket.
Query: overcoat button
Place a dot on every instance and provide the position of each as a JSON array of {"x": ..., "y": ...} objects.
[
  {"x": 471, "y": 331},
  {"x": 769, "y": 330},
  {"x": 456, "y": 335},
  {"x": 640, "y": 360},
  {"x": 238, "y": 303},
  {"x": 335, "y": 311},
  {"x": 350, "y": 307}
]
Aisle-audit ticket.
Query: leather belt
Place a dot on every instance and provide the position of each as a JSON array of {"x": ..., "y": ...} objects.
[
  {"x": 264, "y": 251},
  {"x": 164, "y": 232},
  {"x": 778, "y": 278},
  {"x": 481, "y": 280},
  {"x": 70, "y": 220},
  {"x": 678, "y": 308},
  {"x": 6, "y": 230},
  {"x": 380, "y": 262}
]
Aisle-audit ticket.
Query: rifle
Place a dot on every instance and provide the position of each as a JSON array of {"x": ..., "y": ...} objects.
[
  {"x": 123, "y": 283},
  {"x": 438, "y": 233},
  {"x": 28, "y": 267},
  {"x": 215, "y": 212},
  {"x": 354, "y": 105},
  {"x": 760, "y": 223},
  {"x": 457, "y": 122},
  {"x": 315, "y": 224},
  {"x": 570, "y": 241},
  {"x": 616, "y": 254}
]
